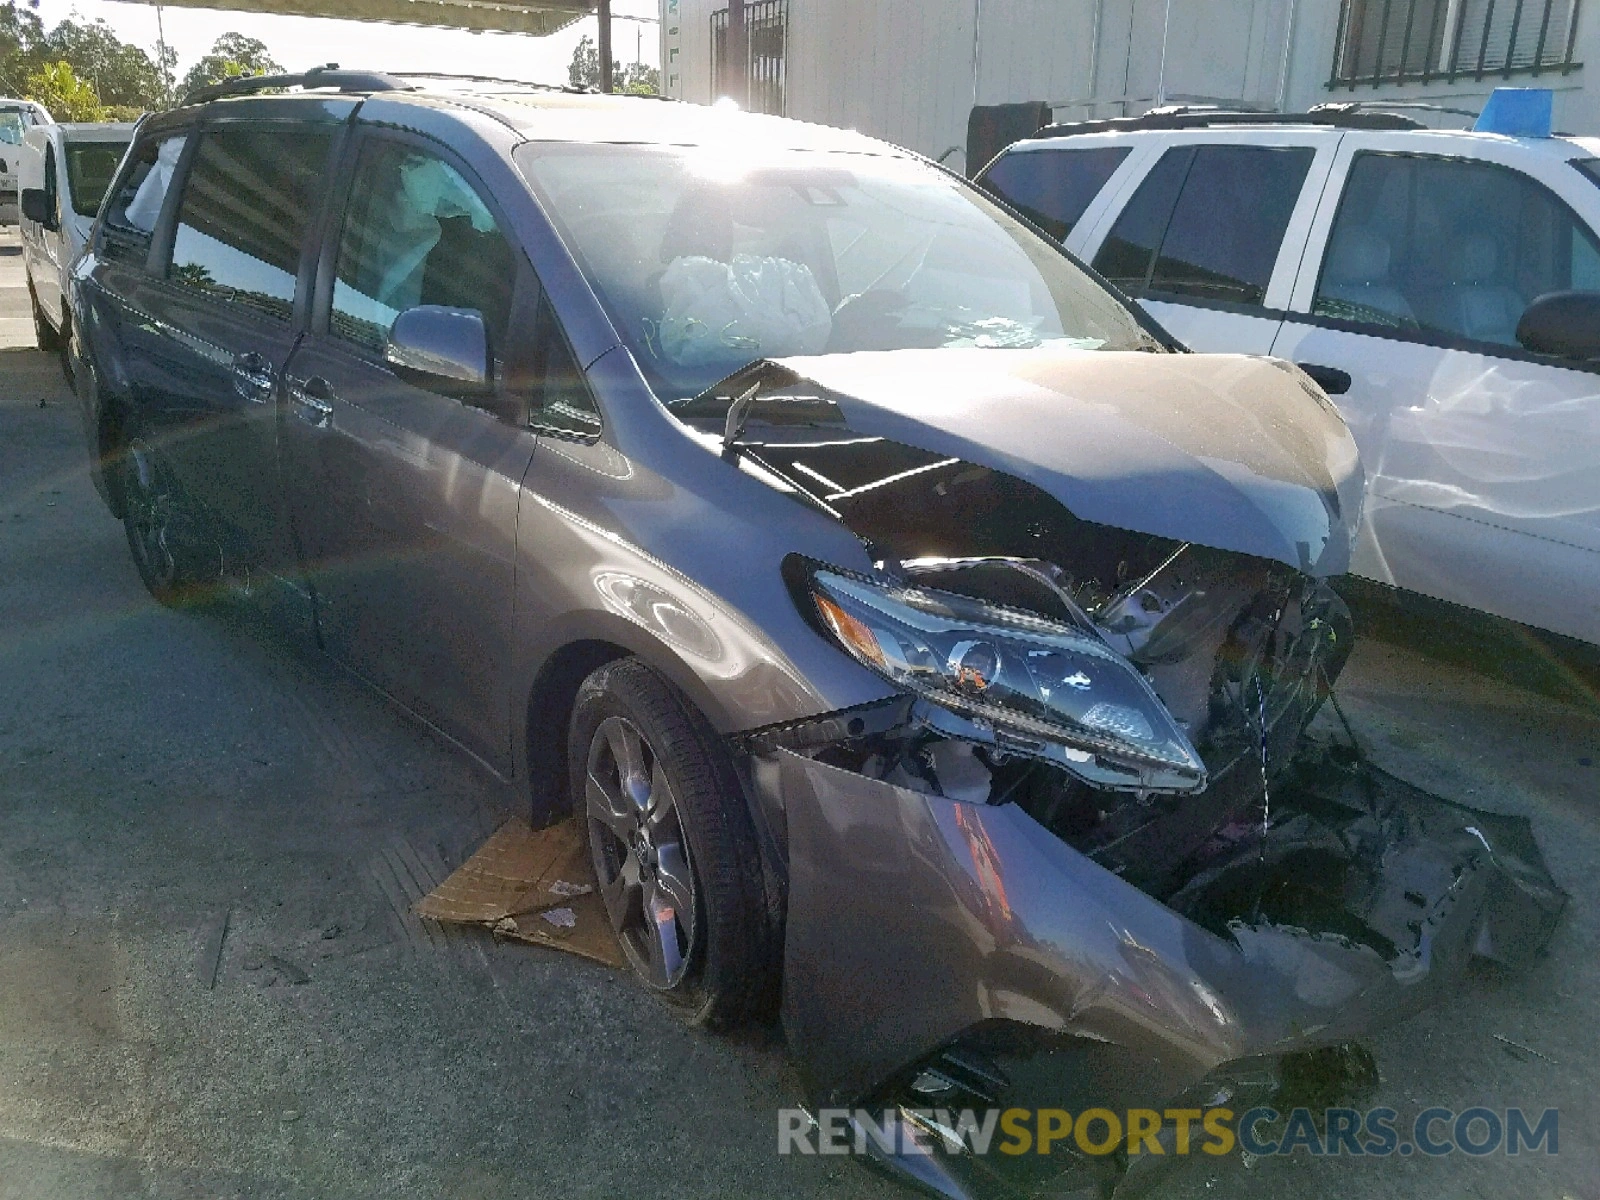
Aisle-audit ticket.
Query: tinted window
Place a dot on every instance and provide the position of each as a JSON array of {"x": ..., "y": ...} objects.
[
  {"x": 1052, "y": 188},
  {"x": 1590, "y": 168},
  {"x": 1207, "y": 222},
  {"x": 1130, "y": 249},
  {"x": 1450, "y": 246},
  {"x": 417, "y": 233},
  {"x": 1229, "y": 222},
  {"x": 131, "y": 215},
  {"x": 246, "y": 205},
  {"x": 90, "y": 166}
]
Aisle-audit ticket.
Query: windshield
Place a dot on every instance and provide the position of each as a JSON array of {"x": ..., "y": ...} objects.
[
  {"x": 707, "y": 262},
  {"x": 90, "y": 166}
]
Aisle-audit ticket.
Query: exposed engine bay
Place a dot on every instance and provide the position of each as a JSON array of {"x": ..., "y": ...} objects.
[{"x": 1241, "y": 651}]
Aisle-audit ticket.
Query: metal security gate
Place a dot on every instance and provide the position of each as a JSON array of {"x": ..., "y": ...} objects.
[
  {"x": 1396, "y": 41},
  {"x": 751, "y": 68}
]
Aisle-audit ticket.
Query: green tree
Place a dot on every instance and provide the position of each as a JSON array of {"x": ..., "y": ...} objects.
[
  {"x": 21, "y": 41},
  {"x": 121, "y": 74},
  {"x": 66, "y": 96},
  {"x": 232, "y": 55},
  {"x": 633, "y": 78}
]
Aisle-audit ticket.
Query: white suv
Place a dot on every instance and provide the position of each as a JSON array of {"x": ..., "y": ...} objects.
[{"x": 1400, "y": 265}]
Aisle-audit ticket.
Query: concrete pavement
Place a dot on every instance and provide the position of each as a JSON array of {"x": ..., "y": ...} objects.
[{"x": 162, "y": 773}]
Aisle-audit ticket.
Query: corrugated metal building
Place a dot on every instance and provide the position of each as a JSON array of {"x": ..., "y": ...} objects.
[{"x": 911, "y": 71}]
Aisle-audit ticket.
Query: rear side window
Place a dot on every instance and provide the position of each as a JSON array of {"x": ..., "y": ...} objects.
[
  {"x": 1449, "y": 246},
  {"x": 1053, "y": 188},
  {"x": 1207, "y": 223},
  {"x": 90, "y": 166},
  {"x": 246, "y": 206},
  {"x": 1130, "y": 249},
  {"x": 132, "y": 213}
]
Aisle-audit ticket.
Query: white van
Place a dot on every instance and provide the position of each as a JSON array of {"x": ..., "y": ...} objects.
[
  {"x": 63, "y": 172},
  {"x": 16, "y": 118},
  {"x": 1442, "y": 285}
]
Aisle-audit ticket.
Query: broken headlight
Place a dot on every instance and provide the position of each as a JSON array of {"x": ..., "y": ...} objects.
[{"x": 1024, "y": 683}]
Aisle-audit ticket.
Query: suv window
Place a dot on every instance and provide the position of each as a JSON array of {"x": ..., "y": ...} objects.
[
  {"x": 246, "y": 205},
  {"x": 1053, "y": 188},
  {"x": 1449, "y": 246},
  {"x": 1207, "y": 222},
  {"x": 132, "y": 214},
  {"x": 417, "y": 233}
]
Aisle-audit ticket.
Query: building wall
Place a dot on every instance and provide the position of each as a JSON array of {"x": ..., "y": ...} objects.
[
  {"x": 910, "y": 71},
  {"x": 1577, "y": 110}
]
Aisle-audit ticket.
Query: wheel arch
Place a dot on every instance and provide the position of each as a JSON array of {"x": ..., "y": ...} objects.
[
  {"x": 561, "y": 654},
  {"x": 548, "y": 713}
]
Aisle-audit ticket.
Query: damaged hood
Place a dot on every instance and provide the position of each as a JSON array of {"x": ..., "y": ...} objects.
[{"x": 1235, "y": 452}]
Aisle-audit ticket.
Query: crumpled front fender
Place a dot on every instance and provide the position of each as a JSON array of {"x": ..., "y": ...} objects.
[{"x": 913, "y": 918}]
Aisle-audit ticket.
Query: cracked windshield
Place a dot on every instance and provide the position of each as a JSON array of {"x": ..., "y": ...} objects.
[{"x": 707, "y": 260}]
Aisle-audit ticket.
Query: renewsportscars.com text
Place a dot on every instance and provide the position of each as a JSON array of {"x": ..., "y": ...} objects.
[{"x": 1375, "y": 1132}]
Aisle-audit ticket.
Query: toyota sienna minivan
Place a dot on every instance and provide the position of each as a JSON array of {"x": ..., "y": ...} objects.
[{"x": 922, "y": 641}]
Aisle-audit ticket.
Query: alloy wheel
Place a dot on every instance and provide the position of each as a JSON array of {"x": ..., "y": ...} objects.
[
  {"x": 149, "y": 505},
  {"x": 640, "y": 854}
]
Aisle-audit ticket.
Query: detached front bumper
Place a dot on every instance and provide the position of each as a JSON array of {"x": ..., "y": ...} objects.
[{"x": 923, "y": 930}]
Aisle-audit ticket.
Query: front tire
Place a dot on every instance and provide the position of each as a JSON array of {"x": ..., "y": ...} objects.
[
  {"x": 46, "y": 335},
  {"x": 660, "y": 809},
  {"x": 176, "y": 562}
]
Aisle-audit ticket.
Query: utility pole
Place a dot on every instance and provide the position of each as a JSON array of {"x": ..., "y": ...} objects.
[
  {"x": 161, "y": 49},
  {"x": 738, "y": 54},
  {"x": 605, "y": 46}
]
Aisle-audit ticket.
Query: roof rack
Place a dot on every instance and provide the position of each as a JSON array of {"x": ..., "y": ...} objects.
[
  {"x": 1337, "y": 116},
  {"x": 327, "y": 76}
]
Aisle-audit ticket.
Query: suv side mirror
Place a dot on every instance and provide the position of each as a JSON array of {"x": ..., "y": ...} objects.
[
  {"x": 37, "y": 208},
  {"x": 444, "y": 349},
  {"x": 1564, "y": 324}
]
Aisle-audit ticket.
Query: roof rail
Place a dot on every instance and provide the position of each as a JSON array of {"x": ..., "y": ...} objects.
[
  {"x": 1389, "y": 105},
  {"x": 1337, "y": 116},
  {"x": 328, "y": 76},
  {"x": 465, "y": 77},
  {"x": 568, "y": 89}
]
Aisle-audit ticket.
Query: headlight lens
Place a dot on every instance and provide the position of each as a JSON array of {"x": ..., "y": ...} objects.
[{"x": 1036, "y": 685}]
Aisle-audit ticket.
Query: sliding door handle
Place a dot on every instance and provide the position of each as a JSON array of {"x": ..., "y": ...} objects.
[
  {"x": 312, "y": 400},
  {"x": 253, "y": 379}
]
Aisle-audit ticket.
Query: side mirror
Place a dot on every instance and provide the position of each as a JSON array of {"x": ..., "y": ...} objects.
[
  {"x": 1563, "y": 324},
  {"x": 1330, "y": 379},
  {"x": 37, "y": 208},
  {"x": 443, "y": 349}
]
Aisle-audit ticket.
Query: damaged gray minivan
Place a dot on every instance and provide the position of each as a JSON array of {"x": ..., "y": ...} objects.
[{"x": 921, "y": 638}]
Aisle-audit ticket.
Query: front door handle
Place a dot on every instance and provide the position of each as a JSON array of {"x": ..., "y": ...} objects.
[
  {"x": 1330, "y": 379},
  {"x": 313, "y": 401},
  {"x": 253, "y": 378}
]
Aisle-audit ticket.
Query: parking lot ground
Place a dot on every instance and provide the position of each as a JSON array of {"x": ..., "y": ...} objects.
[{"x": 168, "y": 776}]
